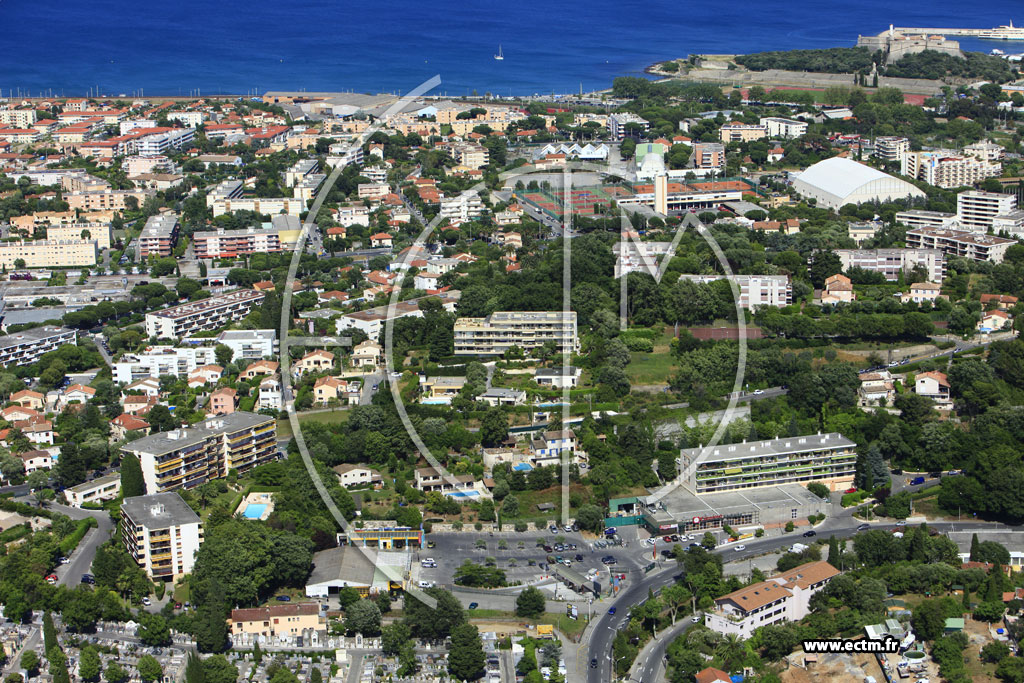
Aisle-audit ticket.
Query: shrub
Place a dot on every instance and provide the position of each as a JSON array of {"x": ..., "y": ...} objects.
[
  {"x": 521, "y": 526},
  {"x": 759, "y": 533},
  {"x": 789, "y": 526}
]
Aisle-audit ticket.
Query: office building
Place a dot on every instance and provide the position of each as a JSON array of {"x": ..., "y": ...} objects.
[
  {"x": 976, "y": 210},
  {"x": 970, "y": 245},
  {"x": 918, "y": 218},
  {"x": 201, "y": 316},
  {"x": 945, "y": 168},
  {"x": 783, "y": 128},
  {"x": 48, "y": 254},
  {"x": 891, "y": 148},
  {"x": 736, "y": 131},
  {"x": 159, "y": 235},
  {"x": 617, "y": 124},
  {"x": 162, "y": 534},
  {"x": 829, "y": 459},
  {"x": 892, "y": 262},
  {"x": 786, "y": 597},
  {"x": 494, "y": 334},
  {"x": 187, "y": 457},
  {"x": 157, "y": 361},
  {"x": 27, "y": 346},
  {"x": 755, "y": 290}
]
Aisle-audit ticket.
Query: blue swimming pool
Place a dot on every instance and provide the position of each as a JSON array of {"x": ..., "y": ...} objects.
[
  {"x": 464, "y": 494},
  {"x": 522, "y": 467},
  {"x": 254, "y": 510},
  {"x": 436, "y": 401},
  {"x": 550, "y": 405}
]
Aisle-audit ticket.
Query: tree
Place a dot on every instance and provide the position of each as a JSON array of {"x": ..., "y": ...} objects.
[
  {"x": 819, "y": 489},
  {"x": 363, "y": 617},
  {"x": 974, "y": 549},
  {"x": 153, "y": 630},
  {"x": 49, "y": 634},
  {"x": 114, "y": 673},
  {"x": 210, "y": 627},
  {"x": 929, "y": 619},
  {"x": 590, "y": 518},
  {"x": 990, "y": 611},
  {"x": 393, "y": 637},
  {"x": 224, "y": 354},
  {"x": 132, "y": 482},
  {"x": 510, "y": 506},
  {"x": 194, "y": 669},
  {"x": 433, "y": 623},
  {"x": 530, "y": 603},
  {"x": 30, "y": 663},
  {"x": 217, "y": 669},
  {"x": 149, "y": 669},
  {"x": 708, "y": 541},
  {"x": 834, "y": 552},
  {"x": 466, "y": 654},
  {"x": 89, "y": 666},
  {"x": 493, "y": 427},
  {"x": 995, "y": 652}
]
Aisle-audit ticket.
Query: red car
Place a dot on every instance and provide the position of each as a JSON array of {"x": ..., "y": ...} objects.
[
  {"x": 853, "y": 490},
  {"x": 51, "y": 579},
  {"x": 667, "y": 539}
]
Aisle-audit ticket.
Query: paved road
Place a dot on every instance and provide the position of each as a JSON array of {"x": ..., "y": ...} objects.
[
  {"x": 81, "y": 559},
  {"x": 650, "y": 663}
]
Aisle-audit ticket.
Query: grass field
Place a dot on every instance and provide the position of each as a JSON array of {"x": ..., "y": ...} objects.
[{"x": 655, "y": 367}]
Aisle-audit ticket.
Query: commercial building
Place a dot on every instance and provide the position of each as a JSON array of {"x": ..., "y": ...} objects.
[
  {"x": 892, "y": 262},
  {"x": 157, "y": 361},
  {"x": 829, "y": 459},
  {"x": 494, "y": 334},
  {"x": 368, "y": 570},
  {"x": 755, "y": 290},
  {"x": 736, "y": 131},
  {"x": 918, "y": 218},
  {"x": 159, "y": 235},
  {"x": 617, "y": 124},
  {"x": 107, "y": 487},
  {"x": 837, "y": 181},
  {"x": 891, "y": 148},
  {"x": 199, "y": 316},
  {"x": 188, "y": 457},
  {"x": 27, "y": 346},
  {"x": 976, "y": 210},
  {"x": 785, "y": 597},
  {"x": 945, "y": 168},
  {"x": 783, "y": 128},
  {"x": 970, "y": 245},
  {"x": 48, "y": 254},
  {"x": 162, "y": 534}
]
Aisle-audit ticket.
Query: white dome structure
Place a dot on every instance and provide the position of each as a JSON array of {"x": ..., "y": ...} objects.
[{"x": 838, "y": 181}]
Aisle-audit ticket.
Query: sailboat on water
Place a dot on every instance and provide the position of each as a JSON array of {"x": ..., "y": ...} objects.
[{"x": 499, "y": 56}]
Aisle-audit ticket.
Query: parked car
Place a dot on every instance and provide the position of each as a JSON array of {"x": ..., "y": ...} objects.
[
  {"x": 548, "y": 549},
  {"x": 695, "y": 618},
  {"x": 51, "y": 579},
  {"x": 473, "y": 605},
  {"x": 593, "y": 662},
  {"x": 916, "y": 480},
  {"x": 283, "y": 598}
]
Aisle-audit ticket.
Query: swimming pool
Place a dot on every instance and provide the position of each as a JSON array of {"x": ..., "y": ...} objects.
[
  {"x": 463, "y": 494},
  {"x": 436, "y": 401},
  {"x": 522, "y": 467},
  {"x": 254, "y": 510},
  {"x": 550, "y": 405}
]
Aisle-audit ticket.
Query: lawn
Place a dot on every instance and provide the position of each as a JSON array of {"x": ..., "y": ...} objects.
[
  {"x": 655, "y": 367},
  {"x": 284, "y": 427}
]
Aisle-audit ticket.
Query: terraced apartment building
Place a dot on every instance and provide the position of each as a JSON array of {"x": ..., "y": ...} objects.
[
  {"x": 829, "y": 459},
  {"x": 501, "y": 330},
  {"x": 185, "y": 458}
]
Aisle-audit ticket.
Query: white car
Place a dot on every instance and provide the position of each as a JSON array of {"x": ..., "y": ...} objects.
[
  {"x": 426, "y": 584},
  {"x": 758, "y": 392},
  {"x": 695, "y": 619},
  {"x": 740, "y": 548}
]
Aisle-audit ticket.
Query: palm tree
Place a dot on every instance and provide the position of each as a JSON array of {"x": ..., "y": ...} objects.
[{"x": 732, "y": 652}]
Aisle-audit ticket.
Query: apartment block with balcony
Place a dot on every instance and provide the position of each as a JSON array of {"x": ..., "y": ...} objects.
[
  {"x": 778, "y": 127},
  {"x": 501, "y": 330},
  {"x": 892, "y": 262},
  {"x": 199, "y": 316},
  {"x": 969, "y": 245},
  {"x": 826, "y": 458},
  {"x": 162, "y": 534},
  {"x": 919, "y": 218},
  {"x": 159, "y": 235},
  {"x": 948, "y": 169},
  {"x": 736, "y": 131},
  {"x": 977, "y": 210},
  {"x": 188, "y": 457},
  {"x": 157, "y": 361},
  {"x": 48, "y": 254},
  {"x": 27, "y": 346},
  {"x": 755, "y": 290},
  {"x": 617, "y": 124},
  {"x": 709, "y": 155},
  {"x": 891, "y": 148}
]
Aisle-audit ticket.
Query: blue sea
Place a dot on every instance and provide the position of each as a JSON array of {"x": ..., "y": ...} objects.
[{"x": 183, "y": 47}]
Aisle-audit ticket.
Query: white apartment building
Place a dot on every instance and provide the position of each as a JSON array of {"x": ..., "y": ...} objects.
[
  {"x": 17, "y": 118},
  {"x": 892, "y": 262},
  {"x": 221, "y": 243},
  {"x": 373, "y": 191},
  {"x": 27, "y": 346},
  {"x": 783, "y": 128},
  {"x": 197, "y": 316},
  {"x": 159, "y": 235},
  {"x": 946, "y": 168},
  {"x": 190, "y": 119},
  {"x": 162, "y": 534},
  {"x": 1011, "y": 223},
  {"x": 462, "y": 208},
  {"x": 343, "y": 153},
  {"x": 755, "y": 290},
  {"x": 372, "y": 320},
  {"x": 107, "y": 487},
  {"x": 188, "y": 457},
  {"x": 617, "y": 124},
  {"x": 250, "y": 344},
  {"x": 269, "y": 397},
  {"x": 470, "y": 156},
  {"x": 48, "y": 254},
  {"x": 268, "y": 206},
  {"x": 300, "y": 170},
  {"x": 494, "y": 334},
  {"x": 785, "y": 597},
  {"x": 891, "y": 148},
  {"x": 985, "y": 150},
  {"x": 223, "y": 191},
  {"x": 306, "y": 188},
  {"x": 642, "y": 256},
  {"x": 918, "y": 218},
  {"x": 976, "y": 209},
  {"x": 67, "y": 232},
  {"x": 348, "y": 216},
  {"x": 162, "y": 142},
  {"x": 157, "y": 361},
  {"x": 970, "y": 245}
]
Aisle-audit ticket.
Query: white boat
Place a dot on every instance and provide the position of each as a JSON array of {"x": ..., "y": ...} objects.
[
  {"x": 996, "y": 51},
  {"x": 1007, "y": 32},
  {"x": 499, "y": 56}
]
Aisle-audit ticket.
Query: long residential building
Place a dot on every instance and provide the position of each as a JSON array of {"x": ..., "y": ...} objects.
[
  {"x": 223, "y": 243},
  {"x": 783, "y": 128},
  {"x": 162, "y": 534},
  {"x": 829, "y": 459},
  {"x": 617, "y": 124},
  {"x": 969, "y": 245},
  {"x": 159, "y": 235},
  {"x": 262, "y": 205},
  {"x": 70, "y": 232},
  {"x": 755, "y": 290},
  {"x": 157, "y": 361},
  {"x": 190, "y": 456},
  {"x": 919, "y": 218},
  {"x": 944, "y": 168},
  {"x": 48, "y": 254},
  {"x": 27, "y": 346},
  {"x": 372, "y": 321},
  {"x": 201, "y": 316},
  {"x": 976, "y": 210},
  {"x": 786, "y": 597},
  {"x": 892, "y": 262},
  {"x": 494, "y": 334}
]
